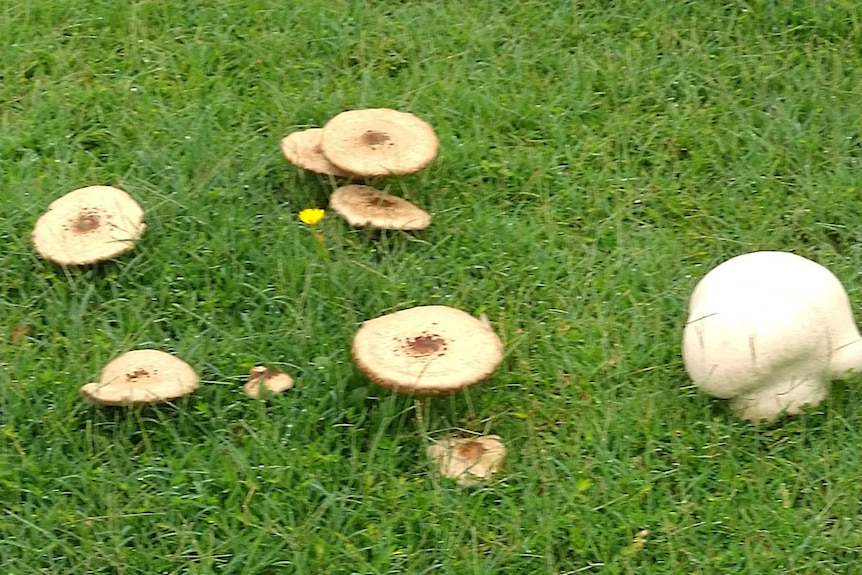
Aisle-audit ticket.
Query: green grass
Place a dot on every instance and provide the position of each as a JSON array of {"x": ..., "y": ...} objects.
[{"x": 596, "y": 160}]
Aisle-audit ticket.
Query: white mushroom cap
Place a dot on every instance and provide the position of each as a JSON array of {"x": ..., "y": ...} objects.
[
  {"x": 303, "y": 149},
  {"x": 89, "y": 225},
  {"x": 379, "y": 142},
  {"x": 142, "y": 377},
  {"x": 263, "y": 377},
  {"x": 468, "y": 460},
  {"x": 364, "y": 206},
  {"x": 426, "y": 350}
]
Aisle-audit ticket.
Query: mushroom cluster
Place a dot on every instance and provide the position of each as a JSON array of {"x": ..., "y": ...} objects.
[
  {"x": 422, "y": 351},
  {"x": 362, "y": 144},
  {"x": 433, "y": 350}
]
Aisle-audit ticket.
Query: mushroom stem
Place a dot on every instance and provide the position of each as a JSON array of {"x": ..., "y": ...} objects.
[{"x": 420, "y": 406}]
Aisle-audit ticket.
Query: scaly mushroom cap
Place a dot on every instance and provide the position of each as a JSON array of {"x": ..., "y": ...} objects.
[
  {"x": 426, "y": 350},
  {"x": 89, "y": 225},
  {"x": 379, "y": 142},
  {"x": 364, "y": 206},
  {"x": 141, "y": 377},
  {"x": 273, "y": 381},
  {"x": 303, "y": 149},
  {"x": 468, "y": 460}
]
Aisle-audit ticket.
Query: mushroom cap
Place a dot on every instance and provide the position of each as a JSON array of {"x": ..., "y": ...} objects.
[
  {"x": 426, "y": 350},
  {"x": 468, "y": 459},
  {"x": 379, "y": 142},
  {"x": 303, "y": 149},
  {"x": 272, "y": 380},
  {"x": 142, "y": 377},
  {"x": 364, "y": 206},
  {"x": 89, "y": 225}
]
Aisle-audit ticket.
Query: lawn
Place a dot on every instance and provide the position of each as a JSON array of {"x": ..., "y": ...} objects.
[{"x": 596, "y": 159}]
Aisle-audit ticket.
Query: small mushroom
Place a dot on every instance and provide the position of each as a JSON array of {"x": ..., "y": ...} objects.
[
  {"x": 468, "y": 460},
  {"x": 303, "y": 149},
  {"x": 142, "y": 377},
  {"x": 769, "y": 330},
  {"x": 426, "y": 350},
  {"x": 270, "y": 379},
  {"x": 379, "y": 142},
  {"x": 89, "y": 225},
  {"x": 364, "y": 206}
]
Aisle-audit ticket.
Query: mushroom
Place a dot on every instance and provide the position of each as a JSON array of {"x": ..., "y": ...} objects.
[
  {"x": 89, "y": 225},
  {"x": 769, "y": 330},
  {"x": 303, "y": 149},
  {"x": 261, "y": 377},
  {"x": 142, "y": 377},
  {"x": 468, "y": 460},
  {"x": 426, "y": 350},
  {"x": 379, "y": 142},
  {"x": 366, "y": 206}
]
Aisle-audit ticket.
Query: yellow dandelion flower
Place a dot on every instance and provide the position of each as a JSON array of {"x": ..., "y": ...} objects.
[{"x": 311, "y": 216}]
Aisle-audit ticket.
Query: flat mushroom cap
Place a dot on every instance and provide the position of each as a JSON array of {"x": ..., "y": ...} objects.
[
  {"x": 303, "y": 149},
  {"x": 466, "y": 459},
  {"x": 263, "y": 377},
  {"x": 379, "y": 142},
  {"x": 426, "y": 350},
  {"x": 89, "y": 225},
  {"x": 364, "y": 206},
  {"x": 142, "y": 377}
]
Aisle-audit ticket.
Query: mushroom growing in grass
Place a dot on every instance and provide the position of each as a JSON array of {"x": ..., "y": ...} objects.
[
  {"x": 427, "y": 350},
  {"x": 468, "y": 460},
  {"x": 303, "y": 149},
  {"x": 89, "y": 225},
  {"x": 364, "y": 206},
  {"x": 379, "y": 142},
  {"x": 142, "y": 377},
  {"x": 262, "y": 380},
  {"x": 769, "y": 330}
]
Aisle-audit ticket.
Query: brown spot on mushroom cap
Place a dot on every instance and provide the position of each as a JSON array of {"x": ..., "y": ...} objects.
[
  {"x": 374, "y": 138},
  {"x": 89, "y": 225},
  {"x": 426, "y": 350},
  {"x": 379, "y": 142},
  {"x": 364, "y": 206},
  {"x": 270, "y": 379},
  {"x": 426, "y": 345},
  {"x": 142, "y": 377},
  {"x": 468, "y": 460},
  {"x": 303, "y": 149},
  {"x": 87, "y": 222}
]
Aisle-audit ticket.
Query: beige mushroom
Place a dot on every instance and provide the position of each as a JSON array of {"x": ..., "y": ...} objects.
[
  {"x": 89, "y": 225},
  {"x": 302, "y": 149},
  {"x": 426, "y": 350},
  {"x": 142, "y": 377},
  {"x": 468, "y": 460},
  {"x": 364, "y": 206},
  {"x": 379, "y": 142},
  {"x": 260, "y": 378}
]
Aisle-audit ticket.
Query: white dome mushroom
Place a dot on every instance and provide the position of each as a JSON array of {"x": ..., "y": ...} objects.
[
  {"x": 426, "y": 350},
  {"x": 468, "y": 460},
  {"x": 142, "y": 377},
  {"x": 364, "y": 206},
  {"x": 303, "y": 149},
  {"x": 769, "y": 330},
  {"x": 379, "y": 142},
  {"x": 89, "y": 225}
]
